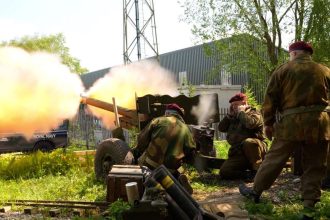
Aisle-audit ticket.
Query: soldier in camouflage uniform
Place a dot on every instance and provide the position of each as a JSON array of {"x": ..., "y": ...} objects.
[
  {"x": 167, "y": 140},
  {"x": 299, "y": 92},
  {"x": 244, "y": 128}
]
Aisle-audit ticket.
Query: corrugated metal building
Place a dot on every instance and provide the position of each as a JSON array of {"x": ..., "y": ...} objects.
[{"x": 190, "y": 63}]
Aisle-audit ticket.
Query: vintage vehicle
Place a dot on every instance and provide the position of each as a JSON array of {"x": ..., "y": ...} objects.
[{"x": 44, "y": 141}]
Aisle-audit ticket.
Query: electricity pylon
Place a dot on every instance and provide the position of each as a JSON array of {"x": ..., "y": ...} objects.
[{"x": 140, "y": 36}]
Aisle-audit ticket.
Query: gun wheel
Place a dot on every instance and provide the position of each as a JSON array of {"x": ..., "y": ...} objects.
[{"x": 109, "y": 152}]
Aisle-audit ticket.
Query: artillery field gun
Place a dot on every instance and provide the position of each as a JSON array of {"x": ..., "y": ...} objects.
[{"x": 114, "y": 161}]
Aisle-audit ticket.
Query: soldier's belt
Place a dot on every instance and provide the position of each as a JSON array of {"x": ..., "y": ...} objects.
[{"x": 303, "y": 109}]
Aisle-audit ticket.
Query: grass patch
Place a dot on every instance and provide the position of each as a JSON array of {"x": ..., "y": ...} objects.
[
  {"x": 62, "y": 175},
  {"x": 57, "y": 175},
  {"x": 38, "y": 164},
  {"x": 117, "y": 208},
  {"x": 222, "y": 148},
  {"x": 74, "y": 185},
  {"x": 208, "y": 181}
]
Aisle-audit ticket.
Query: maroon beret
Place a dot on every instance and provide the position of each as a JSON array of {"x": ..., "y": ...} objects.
[
  {"x": 301, "y": 45},
  {"x": 175, "y": 107},
  {"x": 238, "y": 97}
]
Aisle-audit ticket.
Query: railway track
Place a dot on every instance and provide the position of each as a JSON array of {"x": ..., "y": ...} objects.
[
  {"x": 58, "y": 203},
  {"x": 52, "y": 208}
]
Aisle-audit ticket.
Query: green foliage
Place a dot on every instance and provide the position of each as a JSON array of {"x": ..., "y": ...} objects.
[
  {"x": 37, "y": 164},
  {"x": 222, "y": 148},
  {"x": 203, "y": 183},
  {"x": 205, "y": 187},
  {"x": 242, "y": 54},
  {"x": 49, "y": 176},
  {"x": 251, "y": 98},
  {"x": 187, "y": 89},
  {"x": 219, "y": 19},
  {"x": 323, "y": 207},
  {"x": 289, "y": 209},
  {"x": 317, "y": 28},
  {"x": 247, "y": 36},
  {"x": 133, "y": 136},
  {"x": 117, "y": 208},
  {"x": 52, "y": 44},
  {"x": 260, "y": 208},
  {"x": 76, "y": 184}
]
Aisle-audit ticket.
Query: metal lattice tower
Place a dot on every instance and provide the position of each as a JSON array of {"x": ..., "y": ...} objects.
[{"x": 140, "y": 37}]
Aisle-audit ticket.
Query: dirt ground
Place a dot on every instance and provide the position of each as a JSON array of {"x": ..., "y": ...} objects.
[
  {"x": 285, "y": 187},
  {"x": 228, "y": 201}
]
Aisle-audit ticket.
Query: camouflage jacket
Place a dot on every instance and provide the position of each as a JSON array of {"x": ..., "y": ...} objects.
[
  {"x": 165, "y": 140},
  {"x": 297, "y": 83},
  {"x": 247, "y": 124}
]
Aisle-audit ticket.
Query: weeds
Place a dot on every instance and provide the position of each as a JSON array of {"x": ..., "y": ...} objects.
[
  {"x": 222, "y": 148},
  {"x": 49, "y": 176},
  {"x": 37, "y": 164},
  {"x": 117, "y": 208}
]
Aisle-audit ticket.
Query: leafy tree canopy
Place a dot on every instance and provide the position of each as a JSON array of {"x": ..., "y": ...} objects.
[
  {"x": 270, "y": 21},
  {"x": 248, "y": 36},
  {"x": 52, "y": 44}
]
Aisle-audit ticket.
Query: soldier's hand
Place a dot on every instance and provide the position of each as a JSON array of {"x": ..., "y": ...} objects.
[
  {"x": 240, "y": 108},
  {"x": 269, "y": 132},
  {"x": 231, "y": 111}
]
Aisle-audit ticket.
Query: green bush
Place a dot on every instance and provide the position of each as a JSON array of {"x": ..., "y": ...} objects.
[
  {"x": 37, "y": 164},
  {"x": 117, "y": 208},
  {"x": 323, "y": 207},
  {"x": 252, "y": 101},
  {"x": 221, "y": 148}
]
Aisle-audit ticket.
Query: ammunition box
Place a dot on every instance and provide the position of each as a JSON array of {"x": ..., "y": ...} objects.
[{"x": 117, "y": 178}]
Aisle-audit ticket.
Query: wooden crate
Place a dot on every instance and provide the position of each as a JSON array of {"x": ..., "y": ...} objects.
[{"x": 118, "y": 176}]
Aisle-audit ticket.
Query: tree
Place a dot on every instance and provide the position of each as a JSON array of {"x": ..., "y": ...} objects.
[
  {"x": 267, "y": 20},
  {"x": 252, "y": 32},
  {"x": 316, "y": 29},
  {"x": 52, "y": 44}
]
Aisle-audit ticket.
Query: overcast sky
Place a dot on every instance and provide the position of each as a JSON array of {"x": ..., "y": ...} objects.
[{"x": 92, "y": 28}]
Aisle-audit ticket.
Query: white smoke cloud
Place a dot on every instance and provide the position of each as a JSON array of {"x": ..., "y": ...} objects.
[
  {"x": 37, "y": 92},
  {"x": 123, "y": 82},
  {"x": 205, "y": 108}
]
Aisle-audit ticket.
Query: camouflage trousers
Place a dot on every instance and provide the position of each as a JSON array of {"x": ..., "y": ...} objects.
[
  {"x": 313, "y": 164},
  {"x": 246, "y": 156}
]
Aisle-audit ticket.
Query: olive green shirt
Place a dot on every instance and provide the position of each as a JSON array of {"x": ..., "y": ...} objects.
[
  {"x": 300, "y": 82},
  {"x": 247, "y": 124}
]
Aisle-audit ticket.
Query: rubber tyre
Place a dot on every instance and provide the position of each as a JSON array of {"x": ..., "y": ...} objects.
[
  {"x": 44, "y": 146},
  {"x": 109, "y": 152}
]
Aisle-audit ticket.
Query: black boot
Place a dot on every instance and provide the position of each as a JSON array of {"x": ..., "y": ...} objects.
[
  {"x": 248, "y": 192},
  {"x": 249, "y": 176}
]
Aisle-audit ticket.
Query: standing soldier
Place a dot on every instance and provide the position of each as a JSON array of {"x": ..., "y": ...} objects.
[
  {"x": 167, "y": 140},
  {"x": 299, "y": 92},
  {"x": 244, "y": 128}
]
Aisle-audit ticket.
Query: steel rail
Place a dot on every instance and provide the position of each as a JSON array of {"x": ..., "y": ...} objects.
[{"x": 57, "y": 203}]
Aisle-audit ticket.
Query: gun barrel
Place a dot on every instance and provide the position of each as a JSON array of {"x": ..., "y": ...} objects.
[{"x": 109, "y": 107}]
